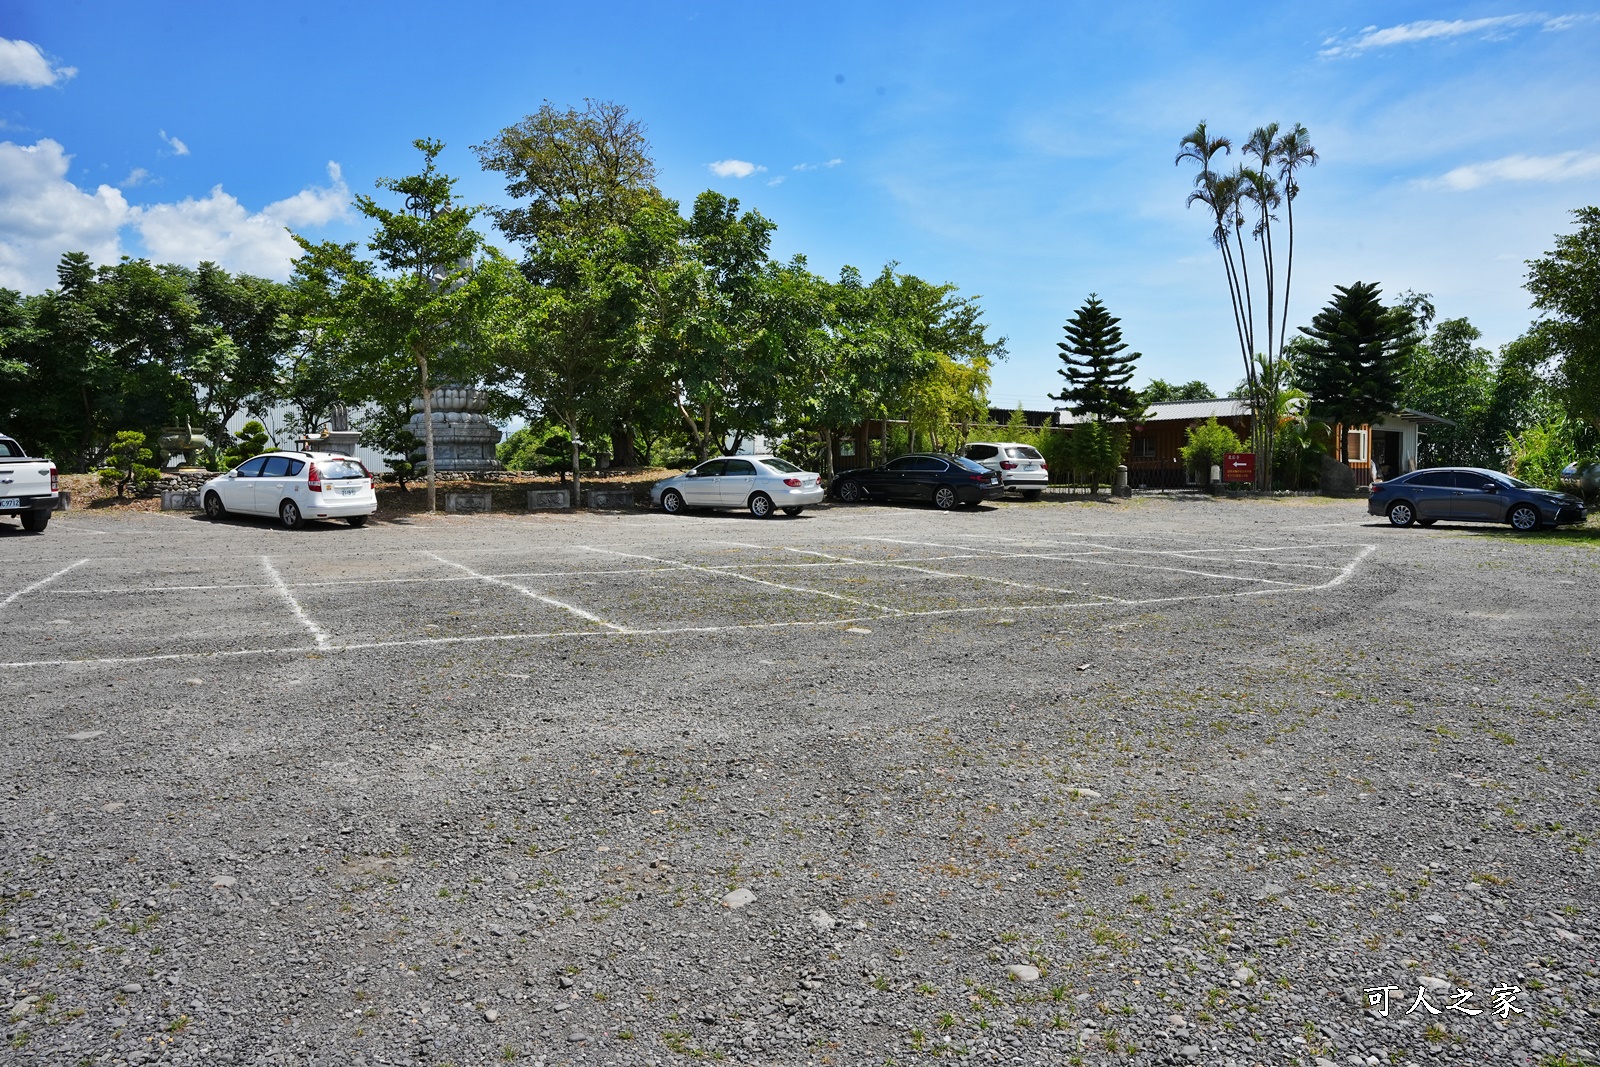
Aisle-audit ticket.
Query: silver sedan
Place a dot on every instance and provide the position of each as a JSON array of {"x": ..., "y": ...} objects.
[{"x": 763, "y": 484}]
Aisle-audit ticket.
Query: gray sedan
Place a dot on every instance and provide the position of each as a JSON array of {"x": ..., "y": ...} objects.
[{"x": 1471, "y": 494}]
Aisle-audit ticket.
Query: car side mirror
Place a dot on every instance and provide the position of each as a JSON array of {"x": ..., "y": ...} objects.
[
  {"x": 1490, "y": 487},
  {"x": 233, "y": 474},
  {"x": 691, "y": 474}
]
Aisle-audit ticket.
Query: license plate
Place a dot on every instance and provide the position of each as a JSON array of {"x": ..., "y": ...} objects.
[
  {"x": 10, "y": 502},
  {"x": 348, "y": 492},
  {"x": 1029, "y": 467}
]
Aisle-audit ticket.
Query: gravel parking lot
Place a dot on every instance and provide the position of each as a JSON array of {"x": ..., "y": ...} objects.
[{"x": 1167, "y": 781}]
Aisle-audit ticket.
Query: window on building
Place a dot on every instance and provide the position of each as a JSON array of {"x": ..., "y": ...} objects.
[
  {"x": 1144, "y": 448},
  {"x": 1356, "y": 445}
]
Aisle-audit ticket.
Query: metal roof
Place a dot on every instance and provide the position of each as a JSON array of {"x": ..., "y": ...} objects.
[{"x": 1218, "y": 407}]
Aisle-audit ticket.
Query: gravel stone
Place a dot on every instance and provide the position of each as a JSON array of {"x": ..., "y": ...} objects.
[{"x": 450, "y": 845}]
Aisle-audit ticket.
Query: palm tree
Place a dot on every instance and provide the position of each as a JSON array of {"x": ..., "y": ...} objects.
[{"x": 1258, "y": 188}]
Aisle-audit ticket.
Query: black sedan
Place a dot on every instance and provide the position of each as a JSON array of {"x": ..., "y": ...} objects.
[
  {"x": 1471, "y": 494},
  {"x": 943, "y": 480}
]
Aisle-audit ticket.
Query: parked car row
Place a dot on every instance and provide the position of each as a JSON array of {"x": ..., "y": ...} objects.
[{"x": 766, "y": 484}]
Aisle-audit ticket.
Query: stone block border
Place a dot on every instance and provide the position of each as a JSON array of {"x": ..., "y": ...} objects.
[
  {"x": 180, "y": 500},
  {"x": 609, "y": 498},
  {"x": 468, "y": 503},
  {"x": 545, "y": 499}
]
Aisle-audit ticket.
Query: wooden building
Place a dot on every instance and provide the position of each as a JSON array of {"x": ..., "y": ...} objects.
[{"x": 1383, "y": 448}]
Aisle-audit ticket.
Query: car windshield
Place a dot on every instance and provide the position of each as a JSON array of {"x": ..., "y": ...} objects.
[
  {"x": 1023, "y": 452},
  {"x": 782, "y": 466},
  {"x": 11, "y": 450},
  {"x": 1515, "y": 483},
  {"x": 335, "y": 469},
  {"x": 967, "y": 464}
]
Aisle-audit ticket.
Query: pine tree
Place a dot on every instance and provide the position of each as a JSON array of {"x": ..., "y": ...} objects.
[
  {"x": 1096, "y": 371},
  {"x": 1352, "y": 369}
]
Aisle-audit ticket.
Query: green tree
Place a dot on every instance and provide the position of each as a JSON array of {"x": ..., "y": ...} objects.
[
  {"x": 1449, "y": 375},
  {"x": 1096, "y": 371},
  {"x": 1094, "y": 449},
  {"x": 1204, "y": 445},
  {"x": 1540, "y": 451},
  {"x": 1565, "y": 285},
  {"x": 1160, "y": 391},
  {"x": 1352, "y": 367},
  {"x": 587, "y": 208},
  {"x": 125, "y": 465},
  {"x": 414, "y": 316}
]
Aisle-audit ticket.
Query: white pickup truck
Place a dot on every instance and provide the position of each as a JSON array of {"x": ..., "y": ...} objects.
[{"x": 28, "y": 487}]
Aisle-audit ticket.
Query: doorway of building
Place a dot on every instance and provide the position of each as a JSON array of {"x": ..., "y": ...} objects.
[{"x": 1386, "y": 452}]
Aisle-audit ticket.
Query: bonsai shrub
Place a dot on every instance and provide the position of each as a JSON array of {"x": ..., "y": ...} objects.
[{"x": 125, "y": 465}]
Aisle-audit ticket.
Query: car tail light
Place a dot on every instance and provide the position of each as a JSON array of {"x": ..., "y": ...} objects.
[
  {"x": 55, "y": 479},
  {"x": 978, "y": 477},
  {"x": 314, "y": 479},
  {"x": 793, "y": 483},
  {"x": 1007, "y": 465},
  {"x": 372, "y": 479},
  {"x": 1044, "y": 466}
]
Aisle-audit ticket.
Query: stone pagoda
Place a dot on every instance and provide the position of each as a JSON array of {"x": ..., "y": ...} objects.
[{"x": 463, "y": 436}]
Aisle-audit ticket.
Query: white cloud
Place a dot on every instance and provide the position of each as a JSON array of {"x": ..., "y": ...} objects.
[
  {"x": 42, "y": 216},
  {"x": 1565, "y": 166},
  {"x": 313, "y": 206},
  {"x": 776, "y": 181},
  {"x": 177, "y": 146},
  {"x": 219, "y": 228},
  {"x": 818, "y": 166},
  {"x": 1437, "y": 29},
  {"x": 734, "y": 168},
  {"x": 136, "y": 176},
  {"x": 21, "y": 63}
]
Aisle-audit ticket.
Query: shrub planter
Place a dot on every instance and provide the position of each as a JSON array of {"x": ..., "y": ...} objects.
[
  {"x": 545, "y": 499},
  {"x": 467, "y": 503},
  {"x": 180, "y": 500},
  {"x": 609, "y": 498}
]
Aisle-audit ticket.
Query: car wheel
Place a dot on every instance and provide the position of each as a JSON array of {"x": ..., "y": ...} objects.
[
  {"x": 35, "y": 521},
  {"x": 1401, "y": 514},
  {"x": 214, "y": 508},
  {"x": 944, "y": 498},
  {"x": 792, "y": 512},
  {"x": 672, "y": 502},
  {"x": 1426, "y": 522},
  {"x": 1032, "y": 494},
  {"x": 849, "y": 492},
  {"x": 357, "y": 521},
  {"x": 761, "y": 506},
  {"x": 289, "y": 512},
  {"x": 1524, "y": 517}
]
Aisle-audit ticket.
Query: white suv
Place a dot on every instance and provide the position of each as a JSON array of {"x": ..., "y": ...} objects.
[
  {"x": 1021, "y": 466},
  {"x": 293, "y": 487}
]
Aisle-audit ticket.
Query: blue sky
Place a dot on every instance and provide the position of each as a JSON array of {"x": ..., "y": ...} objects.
[{"x": 1022, "y": 152}]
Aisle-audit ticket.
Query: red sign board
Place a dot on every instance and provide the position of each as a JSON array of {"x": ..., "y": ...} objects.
[{"x": 1239, "y": 467}]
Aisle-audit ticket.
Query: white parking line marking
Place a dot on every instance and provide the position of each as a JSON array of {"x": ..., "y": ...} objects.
[
  {"x": 294, "y": 605},
  {"x": 42, "y": 582},
  {"x": 525, "y": 591},
  {"x": 758, "y": 581},
  {"x": 324, "y": 645},
  {"x": 1338, "y": 579},
  {"x": 955, "y": 574}
]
